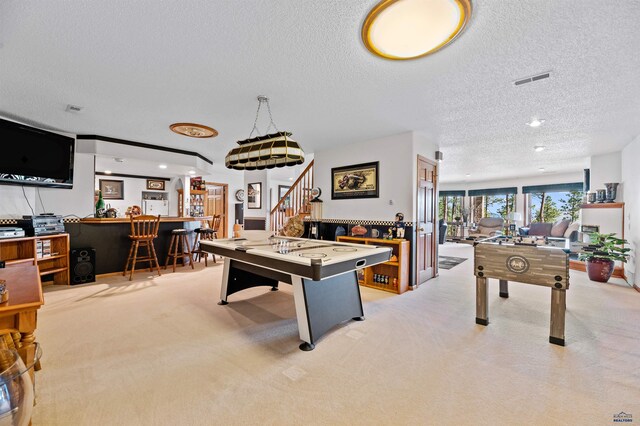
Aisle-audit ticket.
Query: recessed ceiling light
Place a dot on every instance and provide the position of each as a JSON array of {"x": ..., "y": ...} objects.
[
  {"x": 194, "y": 130},
  {"x": 535, "y": 122},
  {"x": 192, "y": 172},
  {"x": 107, "y": 172},
  {"x": 468, "y": 175},
  {"x": 539, "y": 148},
  {"x": 408, "y": 29},
  {"x": 541, "y": 169},
  {"x": 163, "y": 166},
  {"x": 290, "y": 178}
]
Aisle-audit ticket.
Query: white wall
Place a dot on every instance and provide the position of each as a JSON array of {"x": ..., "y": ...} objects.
[
  {"x": 542, "y": 179},
  {"x": 606, "y": 168},
  {"x": 77, "y": 201},
  {"x": 397, "y": 178},
  {"x": 630, "y": 178},
  {"x": 133, "y": 188},
  {"x": 235, "y": 180},
  {"x": 257, "y": 176}
]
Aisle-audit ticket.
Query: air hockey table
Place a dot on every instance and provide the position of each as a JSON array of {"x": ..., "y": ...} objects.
[{"x": 322, "y": 273}]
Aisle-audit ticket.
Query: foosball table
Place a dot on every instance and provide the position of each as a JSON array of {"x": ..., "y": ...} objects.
[{"x": 530, "y": 260}]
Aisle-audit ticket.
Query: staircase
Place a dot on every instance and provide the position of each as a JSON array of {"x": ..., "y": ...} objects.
[{"x": 295, "y": 201}]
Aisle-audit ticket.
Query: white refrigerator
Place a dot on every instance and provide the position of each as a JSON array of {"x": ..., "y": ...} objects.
[{"x": 155, "y": 207}]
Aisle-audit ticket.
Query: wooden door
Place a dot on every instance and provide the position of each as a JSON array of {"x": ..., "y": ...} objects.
[
  {"x": 426, "y": 244},
  {"x": 217, "y": 205}
]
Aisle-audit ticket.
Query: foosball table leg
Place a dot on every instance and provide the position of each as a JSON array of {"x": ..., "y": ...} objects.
[
  {"x": 482, "y": 301},
  {"x": 558, "y": 308},
  {"x": 504, "y": 289}
]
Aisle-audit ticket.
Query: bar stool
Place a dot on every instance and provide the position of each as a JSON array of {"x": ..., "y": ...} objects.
[
  {"x": 207, "y": 234},
  {"x": 144, "y": 229},
  {"x": 181, "y": 248},
  {"x": 201, "y": 235}
]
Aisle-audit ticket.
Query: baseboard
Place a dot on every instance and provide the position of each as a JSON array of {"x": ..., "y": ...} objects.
[{"x": 636, "y": 287}]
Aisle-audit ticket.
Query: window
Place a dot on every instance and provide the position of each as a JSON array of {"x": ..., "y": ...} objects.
[
  {"x": 451, "y": 205},
  {"x": 492, "y": 202},
  {"x": 549, "y": 203}
]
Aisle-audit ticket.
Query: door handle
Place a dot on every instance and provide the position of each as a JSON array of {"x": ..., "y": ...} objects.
[{"x": 421, "y": 229}]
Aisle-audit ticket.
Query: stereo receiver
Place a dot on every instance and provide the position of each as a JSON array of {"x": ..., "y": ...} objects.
[{"x": 41, "y": 225}]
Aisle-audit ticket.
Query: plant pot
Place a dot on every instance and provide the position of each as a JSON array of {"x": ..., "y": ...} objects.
[{"x": 600, "y": 270}]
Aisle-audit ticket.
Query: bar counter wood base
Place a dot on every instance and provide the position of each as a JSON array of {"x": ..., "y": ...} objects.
[{"x": 110, "y": 238}]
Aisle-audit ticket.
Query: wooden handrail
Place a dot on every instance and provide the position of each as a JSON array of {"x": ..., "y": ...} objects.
[{"x": 297, "y": 196}]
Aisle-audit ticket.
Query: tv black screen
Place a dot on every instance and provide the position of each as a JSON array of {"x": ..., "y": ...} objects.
[{"x": 31, "y": 156}]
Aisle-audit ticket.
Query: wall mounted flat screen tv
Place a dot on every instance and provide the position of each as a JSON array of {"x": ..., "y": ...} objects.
[{"x": 31, "y": 156}]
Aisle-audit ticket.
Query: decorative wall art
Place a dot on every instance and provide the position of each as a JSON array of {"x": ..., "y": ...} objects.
[
  {"x": 155, "y": 184},
  {"x": 254, "y": 195},
  {"x": 356, "y": 181},
  {"x": 112, "y": 189},
  {"x": 282, "y": 190}
]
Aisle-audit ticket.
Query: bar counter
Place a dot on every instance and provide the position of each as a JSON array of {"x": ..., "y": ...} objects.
[
  {"x": 163, "y": 219},
  {"x": 110, "y": 238}
]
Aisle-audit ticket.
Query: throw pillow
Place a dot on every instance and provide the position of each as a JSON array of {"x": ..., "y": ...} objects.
[
  {"x": 573, "y": 227},
  {"x": 559, "y": 228}
]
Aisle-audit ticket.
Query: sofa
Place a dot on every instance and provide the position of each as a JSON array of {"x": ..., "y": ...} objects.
[
  {"x": 562, "y": 228},
  {"x": 487, "y": 227}
]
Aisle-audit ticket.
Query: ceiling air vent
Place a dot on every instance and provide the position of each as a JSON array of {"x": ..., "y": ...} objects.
[{"x": 522, "y": 81}]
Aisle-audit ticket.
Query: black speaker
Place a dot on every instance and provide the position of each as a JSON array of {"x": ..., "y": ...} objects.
[
  {"x": 239, "y": 210},
  {"x": 83, "y": 265},
  {"x": 586, "y": 184}
]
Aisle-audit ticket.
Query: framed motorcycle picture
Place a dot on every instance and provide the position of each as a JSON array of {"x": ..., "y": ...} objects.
[{"x": 356, "y": 181}]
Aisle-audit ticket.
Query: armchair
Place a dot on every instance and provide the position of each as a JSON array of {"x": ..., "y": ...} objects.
[{"x": 488, "y": 227}]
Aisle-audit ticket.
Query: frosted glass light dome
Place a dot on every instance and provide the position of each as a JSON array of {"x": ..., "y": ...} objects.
[{"x": 408, "y": 29}]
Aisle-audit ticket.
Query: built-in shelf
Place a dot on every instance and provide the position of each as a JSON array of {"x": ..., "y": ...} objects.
[
  {"x": 27, "y": 250},
  {"x": 14, "y": 261},
  {"x": 396, "y": 273},
  {"x": 602, "y": 206}
]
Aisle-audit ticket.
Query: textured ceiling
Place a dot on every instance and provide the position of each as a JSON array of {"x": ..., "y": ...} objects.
[{"x": 137, "y": 67}]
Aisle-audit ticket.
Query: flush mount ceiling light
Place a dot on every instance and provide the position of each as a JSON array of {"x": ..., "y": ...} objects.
[
  {"x": 539, "y": 148},
  {"x": 265, "y": 152},
  {"x": 535, "y": 122},
  {"x": 194, "y": 130},
  {"x": 409, "y": 29}
]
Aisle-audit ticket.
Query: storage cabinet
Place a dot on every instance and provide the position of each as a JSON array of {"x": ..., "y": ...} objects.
[
  {"x": 197, "y": 202},
  {"x": 49, "y": 252},
  {"x": 396, "y": 271}
]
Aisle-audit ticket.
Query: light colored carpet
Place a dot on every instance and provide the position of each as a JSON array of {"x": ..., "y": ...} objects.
[{"x": 160, "y": 351}]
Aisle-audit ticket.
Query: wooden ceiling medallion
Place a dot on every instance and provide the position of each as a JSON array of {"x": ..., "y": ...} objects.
[{"x": 194, "y": 130}]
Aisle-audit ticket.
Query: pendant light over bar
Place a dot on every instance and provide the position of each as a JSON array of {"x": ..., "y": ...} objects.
[
  {"x": 409, "y": 29},
  {"x": 265, "y": 152}
]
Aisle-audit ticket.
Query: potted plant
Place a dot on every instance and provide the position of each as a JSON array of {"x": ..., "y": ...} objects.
[{"x": 601, "y": 255}]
